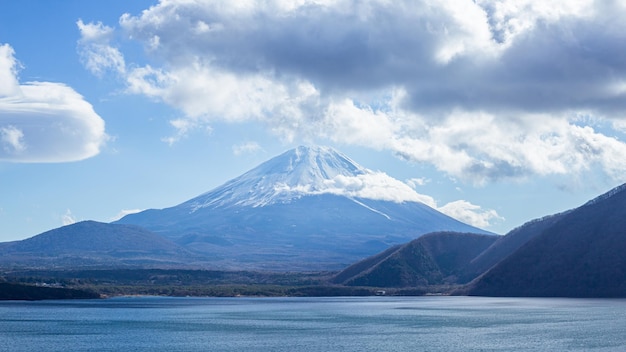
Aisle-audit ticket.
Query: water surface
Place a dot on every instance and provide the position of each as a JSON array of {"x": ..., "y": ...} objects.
[{"x": 314, "y": 324}]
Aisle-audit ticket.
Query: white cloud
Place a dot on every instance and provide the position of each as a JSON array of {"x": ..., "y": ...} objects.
[
  {"x": 207, "y": 94},
  {"x": 417, "y": 181},
  {"x": 483, "y": 90},
  {"x": 125, "y": 212},
  {"x": 483, "y": 148},
  {"x": 96, "y": 53},
  {"x": 470, "y": 213},
  {"x": 620, "y": 125},
  {"x": 380, "y": 186},
  {"x": 369, "y": 184},
  {"x": 9, "y": 85},
  {"x": 246, "y": 148},
  {"x": 510, "y": 18},
  {"x": 347, "y": 123},
  {"x": 68, "y": 218},
  {"x": 43, "y": 121},
  {"x": 183, "y": 126},
  {"x": 12, "y": 140},
  {"x": 373, "y": 185}
]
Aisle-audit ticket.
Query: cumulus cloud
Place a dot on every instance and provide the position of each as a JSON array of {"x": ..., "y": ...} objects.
[
  {"x": 471, "y": 213},
  {"x": 380, "y": 186},
  {"x": 373, "y": 185},
  {"x": 9, "y": 85},
  {"x": 484, "y": 90},
  {"x": 44, "y": 121},
  {"x": 96, "y": 53},
  {"x": 68, "y": 218}
]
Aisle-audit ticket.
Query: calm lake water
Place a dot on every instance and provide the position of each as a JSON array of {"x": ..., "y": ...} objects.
[{"x": 314, "y": 324}]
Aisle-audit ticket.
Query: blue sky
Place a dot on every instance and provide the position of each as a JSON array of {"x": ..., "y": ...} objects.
[{"x": 497, "y": 112}]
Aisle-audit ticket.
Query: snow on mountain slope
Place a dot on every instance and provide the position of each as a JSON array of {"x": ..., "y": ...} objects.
[{"x": 305, "y": 171}]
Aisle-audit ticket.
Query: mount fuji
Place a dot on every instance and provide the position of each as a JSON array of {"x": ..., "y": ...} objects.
[{"x": 309, "y": 208}]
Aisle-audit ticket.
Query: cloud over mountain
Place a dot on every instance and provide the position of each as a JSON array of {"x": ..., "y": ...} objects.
[
  {"x": 316, "y": 171},
  {"x": 483, "y": 90},
  {"x": 44, "y": 121}
]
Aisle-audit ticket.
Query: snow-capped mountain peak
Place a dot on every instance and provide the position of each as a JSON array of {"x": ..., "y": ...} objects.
[
  {"x": 307, "y": 166},
  {"x": 305, "y": 171},
  {"x": 308, "y": 207}
]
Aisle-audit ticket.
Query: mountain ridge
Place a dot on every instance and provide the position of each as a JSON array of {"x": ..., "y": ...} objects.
[
  {"x": 92, "y": 243},
  {"x": 579, "y": 255}
]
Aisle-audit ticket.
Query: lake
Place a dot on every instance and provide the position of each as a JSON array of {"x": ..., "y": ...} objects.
[{"x": 315, "y": 324}]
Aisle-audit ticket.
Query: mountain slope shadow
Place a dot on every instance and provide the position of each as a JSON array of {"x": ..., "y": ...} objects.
[
  {"x": 580, "y": 255},
  {"x": 433, "y": 259}
]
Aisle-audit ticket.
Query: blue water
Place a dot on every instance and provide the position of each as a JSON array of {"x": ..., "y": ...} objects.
[{"x": 314, "y": 324}]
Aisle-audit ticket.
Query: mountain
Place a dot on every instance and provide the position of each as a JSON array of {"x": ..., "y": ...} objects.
[
  {"x": 94, "y": 244},
  {"x": 309, "y": 208},
  {"x": 432, "y": 259},
  {"x": 507, "y": 245},
  {"x": 579, "y": 253}
]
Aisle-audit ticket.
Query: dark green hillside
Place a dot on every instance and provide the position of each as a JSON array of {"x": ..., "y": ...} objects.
[
  {"x": 409, "y": 266},
  {"x": 433, "y": 259},
  {"x": 453, "y": 251},
  {"x": 363, "y": 265},
  {"x": 10, "y": 291},
  {"x": 182, "y": 282},
  {"x": 507, "y": 245},
  {"x": 581, "y": 255}
]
